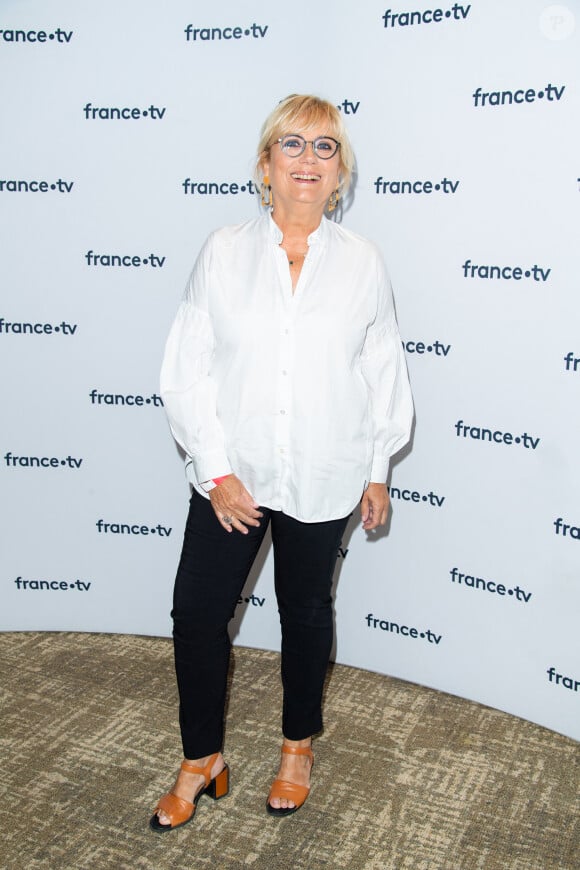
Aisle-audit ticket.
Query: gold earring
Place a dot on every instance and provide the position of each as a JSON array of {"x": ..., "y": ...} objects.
[
  {"x": 333, "y": 201},
  {"x": 266, "y": 192}
]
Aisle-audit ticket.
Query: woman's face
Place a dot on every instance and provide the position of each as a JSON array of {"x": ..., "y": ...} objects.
[{"x": 306, "y": 179}]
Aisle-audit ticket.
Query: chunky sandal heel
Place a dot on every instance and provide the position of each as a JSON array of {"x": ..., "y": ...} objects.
[
  {"x": 220, "y": 785},
  {"x": 181, "y": 811}
]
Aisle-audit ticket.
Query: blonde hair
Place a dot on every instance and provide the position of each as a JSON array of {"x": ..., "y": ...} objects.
[{"x": 304, "y": 111}]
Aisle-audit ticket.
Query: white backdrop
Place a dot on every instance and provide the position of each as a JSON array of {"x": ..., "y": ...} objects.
[{"x": 465, "y": 124}]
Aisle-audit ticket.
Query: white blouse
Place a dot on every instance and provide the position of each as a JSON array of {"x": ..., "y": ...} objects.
[{"x": 304, "y": 395}]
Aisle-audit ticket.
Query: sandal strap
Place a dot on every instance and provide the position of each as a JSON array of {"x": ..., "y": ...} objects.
[
  {"x": 298, "y": 750},
  {"x": 201, "y": 771},
  {"x": 175, "y": 808},
  {"x": 281, "y": 788}
]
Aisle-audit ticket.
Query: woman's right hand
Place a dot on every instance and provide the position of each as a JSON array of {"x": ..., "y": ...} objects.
[{"x": 234, "y": 506}]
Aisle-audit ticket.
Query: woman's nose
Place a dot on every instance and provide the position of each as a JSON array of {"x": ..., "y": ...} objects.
[{"x": 309, "y": 152}]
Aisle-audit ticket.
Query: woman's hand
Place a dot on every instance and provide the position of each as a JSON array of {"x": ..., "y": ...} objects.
[
  {"x": 234, "y": 506},
  {"x": 374, "y": 506}
]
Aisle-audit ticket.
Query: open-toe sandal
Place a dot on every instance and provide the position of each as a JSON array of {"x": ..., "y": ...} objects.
[
  {"x": 281, "y": 788},
  {"x": 181, "y": 811}
]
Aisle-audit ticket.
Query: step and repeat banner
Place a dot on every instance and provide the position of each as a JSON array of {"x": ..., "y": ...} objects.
[{"x": 129, "y": 133}]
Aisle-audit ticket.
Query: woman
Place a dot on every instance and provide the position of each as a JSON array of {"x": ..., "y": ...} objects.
[{"x": 285, "y": 383}]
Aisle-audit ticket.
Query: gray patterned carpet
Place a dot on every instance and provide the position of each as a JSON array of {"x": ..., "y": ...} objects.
[{"x": 405, "y": 777}]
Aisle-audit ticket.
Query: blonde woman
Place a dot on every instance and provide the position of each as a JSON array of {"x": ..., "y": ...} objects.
[{"x": 285, "y": 384}]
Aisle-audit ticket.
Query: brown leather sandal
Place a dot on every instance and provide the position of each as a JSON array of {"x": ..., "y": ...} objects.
[
  {"x": 181, "y": 811},
  {"x": 281, "y": 788}
]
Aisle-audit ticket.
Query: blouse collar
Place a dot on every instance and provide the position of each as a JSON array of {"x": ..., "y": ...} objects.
[{"x": 316, "y": 236}]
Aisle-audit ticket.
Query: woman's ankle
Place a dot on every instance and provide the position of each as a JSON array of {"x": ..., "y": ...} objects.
[
  {"x": 215, "y": 760},
  {"x": 305, "y": 742},
  {"x": 200, "y": 762}
]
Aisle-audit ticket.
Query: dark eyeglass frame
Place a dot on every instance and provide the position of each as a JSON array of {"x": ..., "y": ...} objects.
[{"x": 313, "y": 142}]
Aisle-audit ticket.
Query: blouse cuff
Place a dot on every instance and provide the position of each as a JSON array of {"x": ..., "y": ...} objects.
[
  {"x": 211, "y": 464},
  {"x": 379, "y": 470},
  {"x": 207, "y": 485}
]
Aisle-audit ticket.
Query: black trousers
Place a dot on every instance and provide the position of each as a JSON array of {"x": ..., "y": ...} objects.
[{"x": 213, "y": 568}]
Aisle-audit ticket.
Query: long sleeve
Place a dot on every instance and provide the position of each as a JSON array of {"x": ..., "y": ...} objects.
[
  {"x": 187, "y": 389},
  {"x": 385, "y": 372}
]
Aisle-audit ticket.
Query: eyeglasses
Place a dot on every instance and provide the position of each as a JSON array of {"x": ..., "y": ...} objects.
[{"x": 324, "y": 147}]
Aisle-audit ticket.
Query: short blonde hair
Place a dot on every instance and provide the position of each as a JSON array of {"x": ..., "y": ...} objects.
[{"x": 305, "y": 111}]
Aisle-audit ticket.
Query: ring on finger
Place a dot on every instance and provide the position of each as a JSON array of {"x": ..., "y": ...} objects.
[{"x": 227, "y": 520}]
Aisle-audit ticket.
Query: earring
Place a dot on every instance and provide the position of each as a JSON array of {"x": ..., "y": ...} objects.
[
  {"x": 333, "y": 201},
  {"x": 266, "y": 192}
]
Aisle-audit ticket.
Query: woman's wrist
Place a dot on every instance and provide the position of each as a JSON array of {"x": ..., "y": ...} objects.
[{"x": 208, "y": 485}]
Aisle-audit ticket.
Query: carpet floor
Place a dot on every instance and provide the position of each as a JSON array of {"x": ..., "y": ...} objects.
[{"x": 406, "y": 778}]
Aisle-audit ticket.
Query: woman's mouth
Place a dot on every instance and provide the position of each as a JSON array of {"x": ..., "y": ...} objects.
[{"x": 305, "y": 177}]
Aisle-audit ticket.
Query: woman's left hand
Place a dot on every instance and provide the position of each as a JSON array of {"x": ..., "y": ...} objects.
[{"x": 374, "y": 506}]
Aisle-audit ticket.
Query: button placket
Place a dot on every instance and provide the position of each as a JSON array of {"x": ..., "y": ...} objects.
[
  {"x": 284, "y": 392},
  {"x": 290, "y": 305}
]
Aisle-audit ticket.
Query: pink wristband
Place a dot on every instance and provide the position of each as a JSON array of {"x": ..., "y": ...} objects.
[{"x": 218, "y": 480}]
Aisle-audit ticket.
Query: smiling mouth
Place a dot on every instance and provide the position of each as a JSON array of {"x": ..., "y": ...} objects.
[{"x": 305, "y": 176}]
